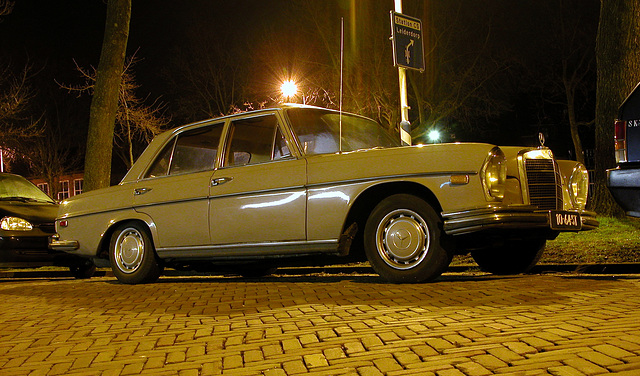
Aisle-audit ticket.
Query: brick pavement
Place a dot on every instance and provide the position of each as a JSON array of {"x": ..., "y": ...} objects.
[{"x": 462, "y": 324}]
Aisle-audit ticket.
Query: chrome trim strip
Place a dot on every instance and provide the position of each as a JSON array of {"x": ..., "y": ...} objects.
[
  {"x": 522, "y": 173},
  {"x": 280, "y": 249},
  {"x": 390, "y": 177},
  {"x": 264, "y": 191},
  {"x": 251, "y": 193},
  {"x": 136, "y": 206},
  {"x": 86, "y": 214},
  {"x": 317, "y": 185}
]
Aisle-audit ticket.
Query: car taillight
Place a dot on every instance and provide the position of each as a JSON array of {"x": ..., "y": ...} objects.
[{"x": 620, "y": 141}]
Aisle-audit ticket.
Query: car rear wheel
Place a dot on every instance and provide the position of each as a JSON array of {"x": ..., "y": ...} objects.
[
  {"x": 402, "y": 239},
  {"x": 513, "y": 257},
  {"x": 83, "y": 269},
  {"x": 132, "y": 255}
]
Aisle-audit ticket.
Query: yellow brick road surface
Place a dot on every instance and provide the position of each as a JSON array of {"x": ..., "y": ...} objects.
[{"x": 462, "y": 324}]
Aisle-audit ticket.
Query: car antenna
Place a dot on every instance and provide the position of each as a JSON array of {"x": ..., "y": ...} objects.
[{"x": 341, "y": 69}]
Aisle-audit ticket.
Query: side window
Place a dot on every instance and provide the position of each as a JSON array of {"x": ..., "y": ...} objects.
[
  {"x": 255, "y": 140},
  {"x": 280, "y": 148},
  {"x": 192, "y": 151},
  {"x": 160, "y": 166},
  {"x": 196, "y": 150}
]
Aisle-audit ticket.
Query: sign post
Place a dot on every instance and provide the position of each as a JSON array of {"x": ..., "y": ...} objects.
[{"x": 406, "y": 34}]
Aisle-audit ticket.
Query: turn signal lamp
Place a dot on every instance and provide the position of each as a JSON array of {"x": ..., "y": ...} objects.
[{"x": 620, "y": 141}]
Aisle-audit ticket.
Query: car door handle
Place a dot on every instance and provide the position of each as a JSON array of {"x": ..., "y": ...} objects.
[
  {"x": 140, "y": 191},
  {"x": 220, "y": 181}
]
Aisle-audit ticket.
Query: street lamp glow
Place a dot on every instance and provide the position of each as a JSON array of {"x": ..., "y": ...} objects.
[
  {"x": 289, "y": 88},
  {"x": 434, "y": 135}
]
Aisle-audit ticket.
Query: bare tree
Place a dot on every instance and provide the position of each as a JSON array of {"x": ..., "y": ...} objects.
[
  {"x": 17, "y": 125},
  {"x": 564, "y": 74},
  {"x": 205, "y": 75},
  {"x": 16, "y": 93},
  {"x": 136, "y": 122},
  {"x": 6, "y": 7},
  {"x": 459, "y": 82},
  {"x": 51, "y": 156},
  {"x": 45, "y": 143},
  {"x": 311, "y": 52},
  {"x": 577, "y": 57},
  {"x": 618, "y": 56},
  {"x": 104, "y": 105}
]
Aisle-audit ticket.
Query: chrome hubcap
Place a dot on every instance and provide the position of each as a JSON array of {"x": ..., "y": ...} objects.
[
  {"x": 402, "y": 239},
  {"x": 129, "y": 250}
]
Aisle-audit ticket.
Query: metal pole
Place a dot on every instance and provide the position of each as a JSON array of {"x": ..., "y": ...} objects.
[{"x": 405, "y": 125}]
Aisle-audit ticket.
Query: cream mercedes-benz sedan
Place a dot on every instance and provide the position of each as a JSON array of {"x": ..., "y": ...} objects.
[{"x": 300, "y": 184}]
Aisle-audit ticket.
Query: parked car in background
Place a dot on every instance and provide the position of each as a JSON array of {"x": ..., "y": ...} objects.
[
  {"x": 27, "y": 221},
  {"x": 305, "y": 184},
  {"x": 624, "y": 180}
]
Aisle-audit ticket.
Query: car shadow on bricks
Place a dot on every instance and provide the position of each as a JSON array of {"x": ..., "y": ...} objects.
[
  {"x": 225, "y": 297},
  {"x": 371, "y": 279}
]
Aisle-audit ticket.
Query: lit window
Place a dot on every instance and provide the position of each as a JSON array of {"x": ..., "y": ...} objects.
[
  {"x": 64, "y": 190},
  {"x": 77, "y": 186}
]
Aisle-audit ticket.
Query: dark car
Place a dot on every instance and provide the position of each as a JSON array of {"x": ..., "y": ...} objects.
[
  {"x": 27, "y": 220},
  {"x": 624, "y": 180}
]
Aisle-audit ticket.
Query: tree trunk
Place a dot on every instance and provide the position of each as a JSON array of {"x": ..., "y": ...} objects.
[
  {"x": 573, "y": 123},
  {"x": 618, "y": 57},
  {"x": 104, "y": 105}
]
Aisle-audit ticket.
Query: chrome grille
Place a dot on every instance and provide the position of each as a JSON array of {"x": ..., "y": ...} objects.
[{"x": 543, "y": 182}]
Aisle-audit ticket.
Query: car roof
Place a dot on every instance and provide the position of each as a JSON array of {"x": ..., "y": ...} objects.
[
  {"x": 282, "y": 106},
  {"x": 153, "y": 148}
]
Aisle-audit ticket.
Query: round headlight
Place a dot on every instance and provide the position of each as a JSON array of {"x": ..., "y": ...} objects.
[
  {"x": 494, "y": 175},
  {"x": 579, "y": 186},
  {"x": 15, "y": 224}
]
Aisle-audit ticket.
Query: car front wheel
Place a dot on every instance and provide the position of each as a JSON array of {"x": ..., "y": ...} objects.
[
  {"x": 513, "y": 257},
  {"x": 132, "y": 256},
  {"x": 402, "y": 239}
]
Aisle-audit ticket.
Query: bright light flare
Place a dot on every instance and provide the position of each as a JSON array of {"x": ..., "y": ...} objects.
[
  {"x": 434, "y": 136},
  {"x": 289, "y": 88}
]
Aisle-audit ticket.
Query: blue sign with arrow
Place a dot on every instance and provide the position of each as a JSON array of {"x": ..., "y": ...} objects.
[{"x": 406, "y": 34}]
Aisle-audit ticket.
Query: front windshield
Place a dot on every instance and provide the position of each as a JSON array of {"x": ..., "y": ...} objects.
[
  {"x": 318, "y": 131},
  {"x": 18, "y": 188}
]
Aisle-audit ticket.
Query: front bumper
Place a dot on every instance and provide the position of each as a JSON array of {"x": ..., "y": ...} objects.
[
  {"x": 513, "y": 217},
  {"x": 31, "y": 252}
]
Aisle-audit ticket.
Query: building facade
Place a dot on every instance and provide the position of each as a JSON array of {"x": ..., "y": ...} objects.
[{"x": 70, "y": 185}]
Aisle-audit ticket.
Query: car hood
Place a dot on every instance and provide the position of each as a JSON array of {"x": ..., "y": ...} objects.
[
  {"x": 36, "y": 212},
  {"x": 462, "y": 158}
]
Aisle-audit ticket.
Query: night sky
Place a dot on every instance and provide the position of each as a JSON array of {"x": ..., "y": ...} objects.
[
  {"x": 57, "y": 32},
  {"x": 50, "y": 35}
]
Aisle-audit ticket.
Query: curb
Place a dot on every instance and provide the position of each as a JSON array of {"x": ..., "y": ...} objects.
[{"x": 628, "y": 268}]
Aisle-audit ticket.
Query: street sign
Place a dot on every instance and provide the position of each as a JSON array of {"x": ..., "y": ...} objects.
[{"x": 406, "y": 34}]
